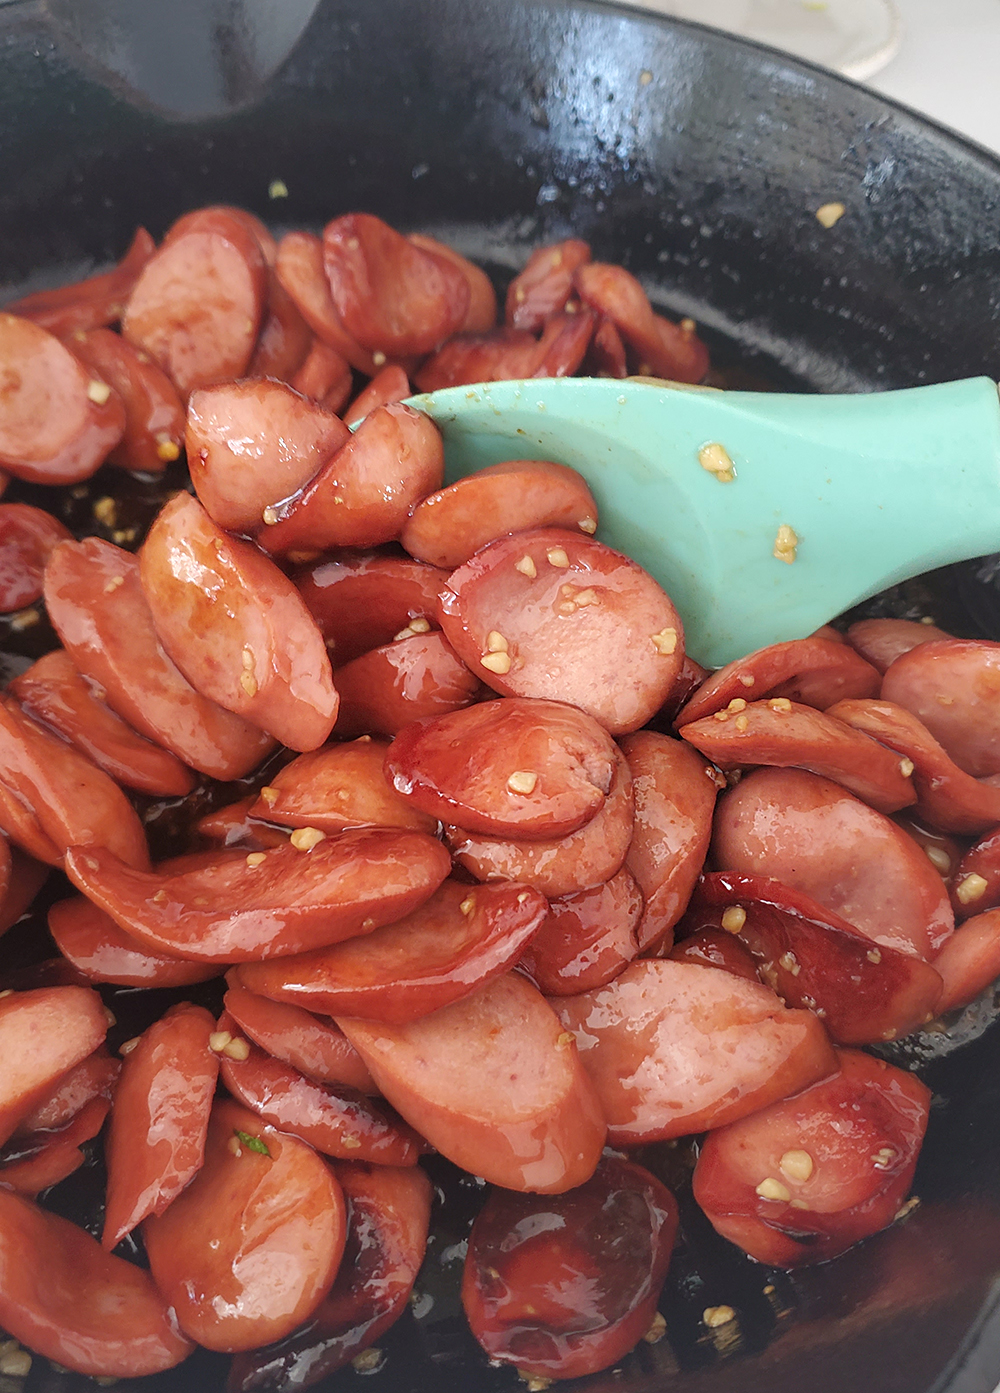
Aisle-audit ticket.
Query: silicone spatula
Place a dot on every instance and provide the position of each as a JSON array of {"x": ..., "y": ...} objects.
[{"x": 875, "y": 488}]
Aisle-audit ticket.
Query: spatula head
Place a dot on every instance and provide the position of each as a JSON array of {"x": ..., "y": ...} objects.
[{"x": 853, "y": 493}]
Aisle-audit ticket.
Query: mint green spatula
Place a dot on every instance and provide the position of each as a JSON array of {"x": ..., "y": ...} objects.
[{"x": 866, "y": 490}]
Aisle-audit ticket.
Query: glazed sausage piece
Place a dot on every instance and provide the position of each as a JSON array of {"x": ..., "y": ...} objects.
[
  {"x": 586, "y": 939},
  {"x": 44, "y": 1158},
  {"x": 392, "y": 296},
  {"x": 60, "y": 422},
  {"x": 881, "y": 641},
  {"x": 786, "y": 734},
  {"x": 236, "y": 626},
  {"x": 493, "y": 1085},
  {"x": 951, "y": 687},
  {"x": 454, "y": 943},
  {"x": 518, "y": 768},
  {"x": 556, "y": 615},
  {"x": 337, "y": 787},
  {"x": 662, "y": 349},
  {"x": 363, "y": 494},
  {"x": 232, "y": 907},
  {"x": 335, "y": 1120},
  {"x": 947, "y": 797},
  {"x": 90, "y": 303},
  {"x": 63, "y": 1296},
  {"x": 250, "y": 1248},
  {"x": 563, "y": 1288},
  {"x": 498, "y": 355},
  {"x": 545, "y": 286},
  {"x": 28, "y": 537},
  {"x": 814, "y": 836},
  {"x": 63, "y": 794},
  {"x": 100, "y": 951},
  {"x": 418, "y": 676},
  {"x": 198, "y": 304},
  {"x": 233, "y": 826},
  {"x": 325, "y": 377},
  {"x": 43, "y": 1034},
  {"x": 285, "y": 338},
  {"x": 299, "y": 268},
  {"x": 969, "y": 961},
  {"x": 808, "y": 1177},
  {"x": 95, "y": 601},
  {"x": 675, "y": 792},
  {"x": 716, "y": 948},
  {"x": 159, "y": 1118},
  {"x": 976, "y": 882},
  {"x": 154, "y": 415},
  {"x": 674, "y": 1048},
  {"x": 557, "y": 866},
  {"x": 606, "y": 354},
  {"x": 361, "y": 602},
  {"x": 815, "y": 671},
  {"x": 93, "y": 1077},
  {"x": 447, "y": 527},
  {"x": 388, "y": 385},
  {"x": 812, "y": 958},
  {"x": 252, "y": 443},
  {"x": 54, "y": 692},
  {"x": 942, "y": 850},
  {"x": 315, "y": 1047},
  {"x": 388, "y": 1218},
  {"x": 482, "y": 312}
]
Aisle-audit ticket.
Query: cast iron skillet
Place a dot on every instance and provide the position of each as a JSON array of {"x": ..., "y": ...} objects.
[{"x": 698, "y": 161}]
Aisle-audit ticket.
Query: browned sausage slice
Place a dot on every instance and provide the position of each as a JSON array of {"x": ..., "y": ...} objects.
[
  {"x": 419, "y": 675},
  {"x": 361, "y": 602},
  {"x": 28, "y": 537},
  {"x": 90, "y": 303}
]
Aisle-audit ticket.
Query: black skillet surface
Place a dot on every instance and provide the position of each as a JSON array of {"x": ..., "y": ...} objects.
[{"x": 698, "y": 161}]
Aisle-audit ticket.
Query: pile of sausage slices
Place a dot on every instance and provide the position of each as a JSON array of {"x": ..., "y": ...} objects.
[{"x": 514, "y": 880}]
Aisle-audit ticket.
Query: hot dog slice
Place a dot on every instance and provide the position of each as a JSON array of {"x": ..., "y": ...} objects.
[
  {"x": 788, "y": 735},
  {"x": 461, "y": 938},
  {"x": 154, "y": 415},
  {"x": 808, "y": 1177},
  {"x": 325, "y": 377},
  {"x": 236, "y": 626},
  {"x": 233, "y": 826},
  {"x": 94, "y": 598},
  {"x": 606, "y": 354},
  {"x": 545, "y": 285},
  {"x": 557, "y": 865},
  {"x": 518, "y": 768},
  {"x": 976, "y": 882},
  {"x": 447, "y": 527},
  {"x": 64, "y": 1297},
  {"x": 557, "y": 615},
  {"x": 337, "y": 787},
  {"x": 336, "y": 1120},
  {"x": 947, "y": 797},
  {"x": 28, "y": 536},
  {"x": 60, "y": 422},
  {"x": 815, "y": 959},
  {"x": 482, "y": 312},
  {"x": 361, "y": 602},
  {"x": 93, "y": 1077},
  {"x": 21, "y": 881},
  {"x": 969, "y": 960},
  {"x": 881, "y": 641},
  {"x": 250, "y": 1248},
  {"x": 363, "y": 494},
  {"x": 673, "y": 1048},
  {"x": 675, "y": 792},
  {"x": 494, "y": 1084},
  {"x": 285, "y": 338},
  {"x": 814, "y": 671},
  {"x": 814, "y": 836},
  {"x": 159, "y": 1118},
  {"x": 315, "y": 1047},
  {"x": 562, "y": 1288},
  {"x": 54, "y": 692},
  {"x": 68, "y": 798},
  {"x": 388, "y": 385},
  {"x": 38, "y": 1160},
  {"x": 43, "y": 1033},
  {"x": 89, "y": 303},
  {"x": 716, "y": 948},
  {"x": 198, "y": 304},
  {"x": 269, "y": 903},
  {"x": 662, "y": 349},
  {"x": 100, "y": 950},
  {"x": 951, "y": 687},
  {"x": 392, "y": 296},
  {"x": 587, "y": 938},
  {"x": 254, "y": 442},
  {"x": 418, "y": 676},
  {"x": 388, "y": 1217},
  {"x": 299, "y": 268},
  {"x": 496, "y": 356}
]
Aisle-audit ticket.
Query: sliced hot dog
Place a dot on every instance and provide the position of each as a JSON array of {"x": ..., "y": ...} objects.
[
  {"x": 881, "y": 641},
  {"x": 951, "y": 686},
  {"x": 325, "y": 377},
  {"x": 299, "y": 268},
  {"x": 315, "y": 1047},
  {"x": 361, "y": 602},
  {"x": 482, "y": 312},
  {"x": 419, "y": 675},
  {"x": 28, "y": 536},
  {"x": 236, "y": 626},
  {"x": 100, "y": 950},
  {"x": 43, "y": 1033},
  {"x": 494, "y": 1084},
  {"x": 586, "y": 939},
  {"x": 89, "y": 303},
  {"x": 969, "y": 960},
  {"x": 545, "y": 285},
  {"x": 285, "y": 338},
  {"x": 554, "y": 614},
  {"x": 662, "y": 349},
  {"x": 389, "y": 384}
]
